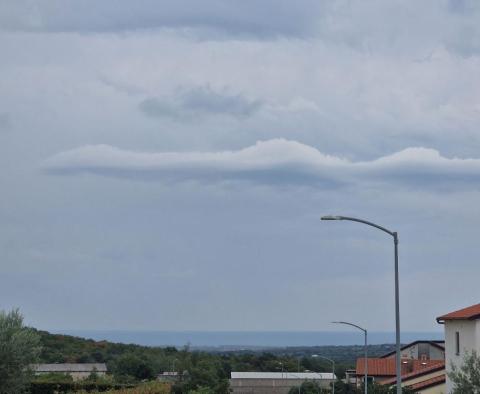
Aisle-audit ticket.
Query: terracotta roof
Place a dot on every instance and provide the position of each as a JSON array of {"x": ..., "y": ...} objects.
[
  {"x": 470, "y": 313},
  {"x": 438, "y": 344},
  {"x": 386, "y": 366},
  {"x": 428, "y": 383},
  {"x": 427, "y": 369}
]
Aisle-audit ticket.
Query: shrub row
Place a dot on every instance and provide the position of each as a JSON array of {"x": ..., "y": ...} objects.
[{"x": 68, "y": 387}]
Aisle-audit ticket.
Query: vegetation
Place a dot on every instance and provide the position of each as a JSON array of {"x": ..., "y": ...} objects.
[
  {"x": 199, "y": 371},
  {"x": 130, "y": 366},
  {"x": 145, "y": 388},
  {"x": 342, "y": 388},
  {"x": 466, "y": 379},
  {"x": 308, "y": 388},
  {"x": 19, "y": 348}
]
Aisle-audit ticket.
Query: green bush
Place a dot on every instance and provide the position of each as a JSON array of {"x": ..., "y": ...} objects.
[{"x": 68, "y": 387}]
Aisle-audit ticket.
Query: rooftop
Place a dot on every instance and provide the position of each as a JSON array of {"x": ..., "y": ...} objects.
[
  {"x": 469, "y": 313},
  {"x": 416, "y": 373},
  {"x": 283, "y": 375},
  {"x": 64, "y": 368},
  {"x": 435, "y": 343},
  {"x": 428, "y": 383},
  {"x": 386, "y": 366}
]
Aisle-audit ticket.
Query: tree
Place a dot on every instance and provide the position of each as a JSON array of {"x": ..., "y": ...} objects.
[
  {"x": 19, "y": 349},
  {"x": 466, "y": 379},
  {"x": 130, "y": 365},
  {"x": 307, "y": 387},
  {"x": 202, "y": 390}
]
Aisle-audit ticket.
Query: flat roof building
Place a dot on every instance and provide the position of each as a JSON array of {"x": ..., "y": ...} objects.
[
  {"x": 276, "y": 382},
  {"x": 76, "y": 371}
]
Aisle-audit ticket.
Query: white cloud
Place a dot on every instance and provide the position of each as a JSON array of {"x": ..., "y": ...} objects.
[{"x": 276, "y": 161}]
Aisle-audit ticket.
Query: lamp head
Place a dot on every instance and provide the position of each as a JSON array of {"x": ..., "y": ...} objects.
[{"x": 332, "y": 217}]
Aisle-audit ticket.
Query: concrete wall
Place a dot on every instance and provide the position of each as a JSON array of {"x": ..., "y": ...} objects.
[
  {"x": 75, "y": 375},
  {"x": 412, "y": 352},
  {"x": 469, "y": 340},
  {"x": 436, "y": 353},
  {"x": 440, "y": 389},
  {"x": 269, "y": 386},
  {"x": 419, "y": 379}
]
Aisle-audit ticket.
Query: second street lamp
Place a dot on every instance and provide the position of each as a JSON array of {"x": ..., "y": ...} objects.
[
  {"x": 365, "y": 350},
  {"x": 333, "y": 370},
  {"x": 397, "y": 302}
]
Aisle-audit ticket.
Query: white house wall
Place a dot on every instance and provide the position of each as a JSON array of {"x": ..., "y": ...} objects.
[{"x": 469, "y": 340}]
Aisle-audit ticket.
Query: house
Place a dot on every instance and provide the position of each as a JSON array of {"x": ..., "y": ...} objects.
[
  {"x": 76, "y": 371},
  {"x": 275, "y": 382},
  {"x": 426, "y": 380},
  {"x": 462, "y": 335},
  {"x": 421, "y": 350},
  {"x": 383, "y": 369},
  {"x": 168, "y": 376},
  {"x": 415, "y": 356}
]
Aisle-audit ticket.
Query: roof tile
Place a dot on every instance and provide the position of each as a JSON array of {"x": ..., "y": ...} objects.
[
  {"x": 469, "y": 313},
  {"x": 386, "y": 366}
]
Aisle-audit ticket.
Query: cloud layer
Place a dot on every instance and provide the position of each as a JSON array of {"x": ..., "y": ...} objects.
[
  {"x": 232, "y": 17},
  {"x": 276, "y": 161},
  {"x": 200, "y": 101}
]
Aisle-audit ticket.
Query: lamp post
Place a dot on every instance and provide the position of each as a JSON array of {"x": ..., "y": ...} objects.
[
  {"x": 333, "y": 369},
  {"x": 397, "y": 302},
  {"x": 365, "y": 350}
]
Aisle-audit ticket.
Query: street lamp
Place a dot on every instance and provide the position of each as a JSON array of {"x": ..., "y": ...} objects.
[
  {"x": 365, "y": 349},
  {"x": 333, "y": 369},
  {"x": 397, "y": 302}
]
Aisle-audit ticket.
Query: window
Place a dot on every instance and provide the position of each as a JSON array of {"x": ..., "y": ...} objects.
[{"x": 457, "y": 343}]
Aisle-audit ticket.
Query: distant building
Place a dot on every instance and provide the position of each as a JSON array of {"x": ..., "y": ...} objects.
[
  {"x": 76, "y": 371},
  {"x": 167, "y": 376},
  {"x": 462, "y": 334},
  {"x": 275, "y": 382},
  {"x": 423, "y": 368},
  {"x": 421, "y": 350},
  {"x": 384, "y": 369},
  {"x": 427, "y": 380}
]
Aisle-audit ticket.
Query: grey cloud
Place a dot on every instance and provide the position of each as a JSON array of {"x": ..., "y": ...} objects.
[
  {"x": 250, "y": 17},
  {"x": 369, "y": 26},
  {"x": 275, "y": 161},
  {"x": 200, "y": 101}
]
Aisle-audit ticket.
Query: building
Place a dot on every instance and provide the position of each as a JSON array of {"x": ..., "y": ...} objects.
[
  {"x": 421, "y": 350},
  {"x": 76, "y": 371},
  {"x": 275, "y": 382},
  {"x": 168, "y": 376},
  {"x": 426, "y": 380},
  {"x": 381, "y": 370},
  {"x": 462, "y": 334}
]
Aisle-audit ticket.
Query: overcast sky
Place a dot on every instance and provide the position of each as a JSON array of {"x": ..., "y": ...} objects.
[{"x": 165, "y": 163}]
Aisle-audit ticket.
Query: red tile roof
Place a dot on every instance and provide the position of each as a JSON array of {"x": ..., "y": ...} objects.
[
  {"x": 428, "y": 383},
  {"x": 427, "y": 369},
  {"x": 386, "y": 366},
  {"x": 470, "y": 313}
]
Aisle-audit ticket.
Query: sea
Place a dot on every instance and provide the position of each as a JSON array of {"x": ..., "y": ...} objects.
[{"x": 236, "y": 340}]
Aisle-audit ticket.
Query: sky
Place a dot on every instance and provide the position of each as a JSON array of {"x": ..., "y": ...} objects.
[{"x": 165, "y": 164}]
